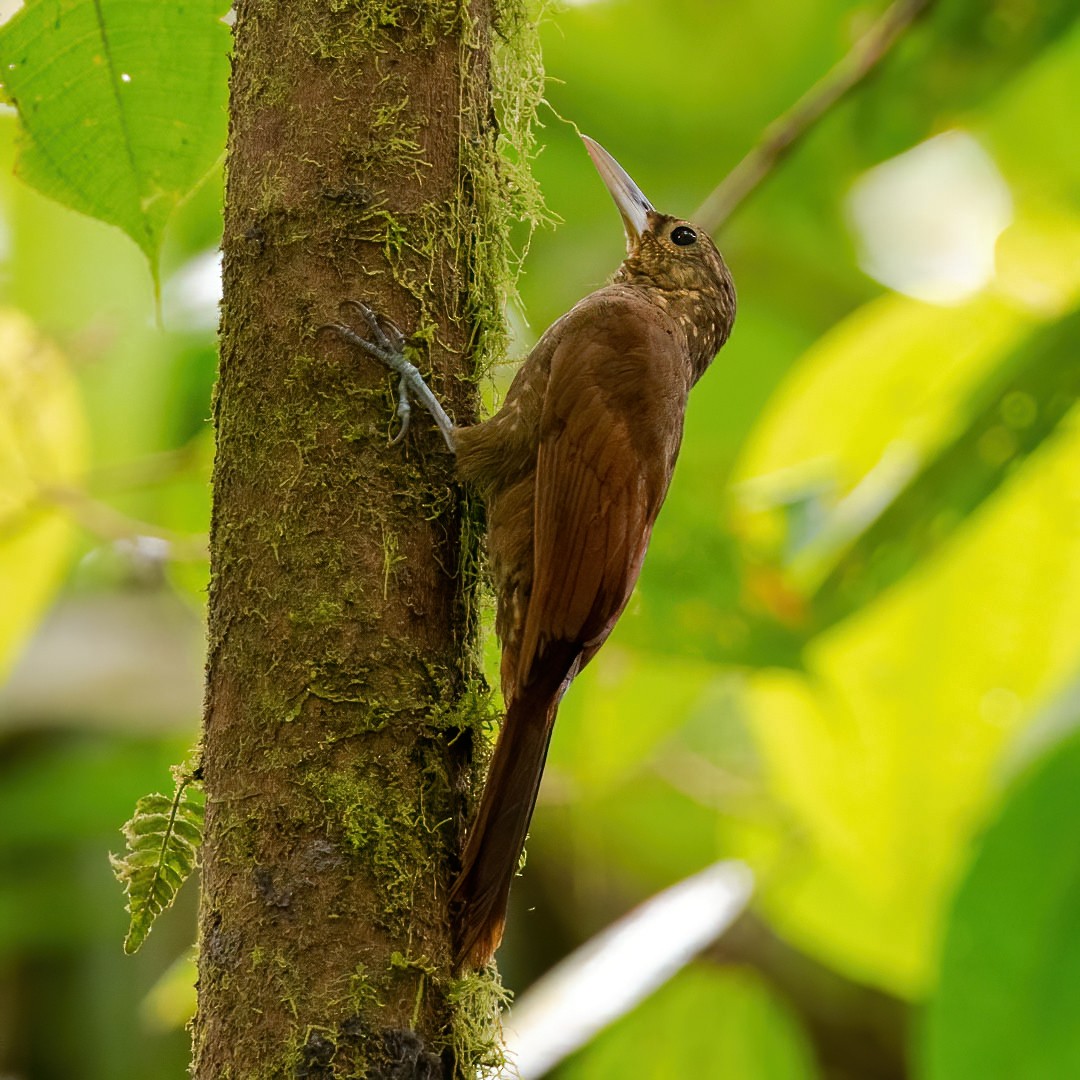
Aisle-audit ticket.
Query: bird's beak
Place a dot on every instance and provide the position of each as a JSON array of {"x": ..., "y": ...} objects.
[{"x": 633, "y": 206}]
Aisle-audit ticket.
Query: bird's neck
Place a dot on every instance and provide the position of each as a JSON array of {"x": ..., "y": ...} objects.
[{"x": 700, "y": 318}]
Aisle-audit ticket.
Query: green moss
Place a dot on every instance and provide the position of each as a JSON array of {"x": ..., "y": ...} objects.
[
  {"x": 323, "y": 611},
  {"x": 500, "y": 173},
  {"x": 429, "y": 21},
  {"x": 380, "y": 776},
  {"x": 475, "y": 710},
  {"x": 391, "y": 557},
  {"x": 475, "y": 587},
  {"x": 380, "y": 816},
  {"x": 390, "y": 139},
  {"x": 477, "y": 1002},
  {"x": 495, "y": 188}
]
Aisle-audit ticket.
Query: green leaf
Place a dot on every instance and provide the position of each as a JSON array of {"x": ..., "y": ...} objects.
[
  {"x": 880, "y": 754},
  {"x": 878, "y": 381},
  {"x": 647, "y": 749},
  {"x": 1044, "y": 98},
  {"x": 704, "y": 1022},
  {"x": 882, "y": 757},
  {"x": 122, "y": 104},
  {"x": 42, "y": 449},
  {"x": 163, "y": 840},
  {"x": 859, "y": 471},
  {"x": 1009, "y": 416},
  {"x": 961, "y": 54},
  {"x": 171, "y": 1002},
  {"x": 1009, "y": 992}
]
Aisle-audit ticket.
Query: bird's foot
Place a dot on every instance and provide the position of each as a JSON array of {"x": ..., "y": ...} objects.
[{"x": 384, "y": 342}]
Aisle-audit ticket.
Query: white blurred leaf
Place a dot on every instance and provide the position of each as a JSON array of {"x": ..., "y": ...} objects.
[{"x": 614, "y": 971}]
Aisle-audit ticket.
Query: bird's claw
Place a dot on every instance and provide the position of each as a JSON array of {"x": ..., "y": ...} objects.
[
  {"x": 386, "y": 333},
  {"x": 404, "y": 410},
  {"x": 385, "y": 342}
]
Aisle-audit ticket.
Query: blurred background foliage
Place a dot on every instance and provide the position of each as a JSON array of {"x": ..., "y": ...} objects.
[{"x": 853, "y": 659}]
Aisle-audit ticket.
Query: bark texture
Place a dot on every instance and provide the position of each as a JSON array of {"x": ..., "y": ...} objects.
[{"x": 343, "y": 700}]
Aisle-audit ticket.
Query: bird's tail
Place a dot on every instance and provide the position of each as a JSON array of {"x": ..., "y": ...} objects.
[{"x": 478, "y": 899}]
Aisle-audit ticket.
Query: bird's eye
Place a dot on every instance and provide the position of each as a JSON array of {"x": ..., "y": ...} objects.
[{"x": 684, "y": 236}]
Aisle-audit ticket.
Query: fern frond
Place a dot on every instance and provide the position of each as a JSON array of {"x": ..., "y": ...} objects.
[{"x": 163, "y": 841}]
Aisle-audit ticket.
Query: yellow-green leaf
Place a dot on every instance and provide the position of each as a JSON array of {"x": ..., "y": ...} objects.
[
  {"x": 704, "y": 1023},
  {"x": 122, "y": 104},
  {"x": 42, "y": 447},
  {"x": 884, "y": 750}
]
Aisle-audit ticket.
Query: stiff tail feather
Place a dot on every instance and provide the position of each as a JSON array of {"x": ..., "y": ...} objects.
[{"x": 490, "y": 860}]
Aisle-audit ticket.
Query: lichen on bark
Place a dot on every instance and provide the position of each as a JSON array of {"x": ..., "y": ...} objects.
[{"x": 345, "y": 700}]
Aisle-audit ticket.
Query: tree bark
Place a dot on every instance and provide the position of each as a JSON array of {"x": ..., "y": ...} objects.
[{"x": 344, "y": 698}]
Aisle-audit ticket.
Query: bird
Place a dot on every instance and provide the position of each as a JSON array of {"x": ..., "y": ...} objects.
[{"x": 573, "y": 469}]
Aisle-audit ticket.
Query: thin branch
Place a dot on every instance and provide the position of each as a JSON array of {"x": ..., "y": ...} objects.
[
  {"x": 787, "y": 129},
  {"x": 108, "y": 523},
  {"x": 147, "y": 471}
]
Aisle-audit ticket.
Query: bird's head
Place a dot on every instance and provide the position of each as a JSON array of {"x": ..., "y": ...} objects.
[{"x": 673, "y": 256}]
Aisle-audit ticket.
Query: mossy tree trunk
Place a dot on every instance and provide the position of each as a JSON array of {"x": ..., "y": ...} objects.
[{"x": 343, "y": 699}]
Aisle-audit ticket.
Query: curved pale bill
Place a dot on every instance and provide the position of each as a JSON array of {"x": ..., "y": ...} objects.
[{"x": 632, "y": 204}]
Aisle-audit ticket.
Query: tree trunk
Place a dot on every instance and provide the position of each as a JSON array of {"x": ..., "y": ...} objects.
[{"x": 344, "y": 696}]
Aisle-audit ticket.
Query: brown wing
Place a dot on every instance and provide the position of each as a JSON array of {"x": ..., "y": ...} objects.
[
  {"x": 569, "y": 540},
  {"x": 609, "y": 433}
]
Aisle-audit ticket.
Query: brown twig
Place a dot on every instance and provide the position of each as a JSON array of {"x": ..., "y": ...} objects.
[
  {"x": 787, "y": 129},
  {"x": 143, "y": 472},
  {"x": 110, "y": 524}
]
